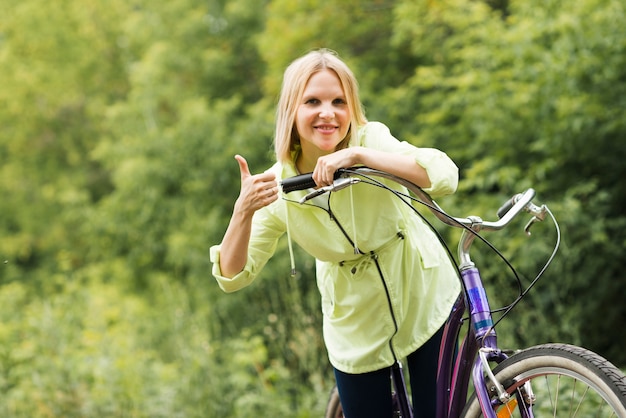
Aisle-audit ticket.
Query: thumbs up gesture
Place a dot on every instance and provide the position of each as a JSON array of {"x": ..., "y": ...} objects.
[{"x": 257, "y": 190}]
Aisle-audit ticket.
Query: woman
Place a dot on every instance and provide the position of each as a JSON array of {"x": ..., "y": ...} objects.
[{"x": 386, "y": 283}]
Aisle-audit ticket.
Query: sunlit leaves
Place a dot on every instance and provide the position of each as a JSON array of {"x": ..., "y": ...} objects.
[{"x": 119, "y": 123}]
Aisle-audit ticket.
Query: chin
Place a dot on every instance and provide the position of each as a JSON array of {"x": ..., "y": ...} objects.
[{"x": 329, "y": 149}]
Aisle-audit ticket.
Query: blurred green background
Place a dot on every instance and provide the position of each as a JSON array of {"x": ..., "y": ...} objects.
[{"x": 118, "y": 123}]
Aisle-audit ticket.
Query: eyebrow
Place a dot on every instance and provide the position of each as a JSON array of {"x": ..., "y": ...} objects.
[{"x": 316, "y": 95}]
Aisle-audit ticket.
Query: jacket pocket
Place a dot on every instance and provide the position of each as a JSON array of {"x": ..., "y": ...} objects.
[{"x": 428, "y": 247}]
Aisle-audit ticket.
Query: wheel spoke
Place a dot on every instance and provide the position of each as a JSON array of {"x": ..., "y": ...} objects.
[
  {"x": 556, "y": 396},
  {"x": 556, "y": 380}
]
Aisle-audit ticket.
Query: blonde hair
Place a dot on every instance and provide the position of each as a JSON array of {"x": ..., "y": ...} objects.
[{"x": 296, "y": 76}]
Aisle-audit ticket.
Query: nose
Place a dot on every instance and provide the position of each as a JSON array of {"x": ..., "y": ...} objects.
[{"x": 327, "y": 113}]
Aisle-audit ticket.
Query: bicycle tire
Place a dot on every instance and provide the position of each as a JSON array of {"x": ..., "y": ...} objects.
[
  {"x": 566, "y": 381},
  {"x": 334, "y": 408}
]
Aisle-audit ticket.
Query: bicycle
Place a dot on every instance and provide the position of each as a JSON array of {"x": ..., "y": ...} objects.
[{"x": 544, "y": 380}]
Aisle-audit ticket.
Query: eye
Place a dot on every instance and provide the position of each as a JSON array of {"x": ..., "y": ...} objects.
[
  {"x": 339, "y": 101},
  {"x": 312, "y": 101}
]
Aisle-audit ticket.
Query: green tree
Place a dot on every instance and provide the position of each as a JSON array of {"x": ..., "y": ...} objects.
[
  {"x": 58, "y": 72},
  {"x": 119, "y": 124},
  {"x": 533, "y": 97}
]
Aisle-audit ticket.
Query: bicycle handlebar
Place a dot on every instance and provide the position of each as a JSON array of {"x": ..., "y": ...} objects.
[
  {"x": 508, "y": 205},
  {"x": 301, "y": 182},
  {"x": 471, "y": 225},
  {"x": 518, "y": 203}
]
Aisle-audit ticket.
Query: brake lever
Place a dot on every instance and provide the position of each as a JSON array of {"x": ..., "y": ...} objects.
[
  {"x": 340, "y": 183},
  {"x": 539, "y": 214}
]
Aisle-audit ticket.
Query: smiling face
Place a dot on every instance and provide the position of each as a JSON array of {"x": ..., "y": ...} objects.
[{"x": 323, "y": 116}]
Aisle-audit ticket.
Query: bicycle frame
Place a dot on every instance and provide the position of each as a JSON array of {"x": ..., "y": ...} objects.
[{"x": 479, "y": 346}]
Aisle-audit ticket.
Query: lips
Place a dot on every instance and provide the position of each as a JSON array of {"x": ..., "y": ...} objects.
[{"x": 326, "y": 128}]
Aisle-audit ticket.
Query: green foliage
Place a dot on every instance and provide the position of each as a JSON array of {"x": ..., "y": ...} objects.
[
  {"x": 119, "y": 124},
  {"x": 535, "y": 108}
]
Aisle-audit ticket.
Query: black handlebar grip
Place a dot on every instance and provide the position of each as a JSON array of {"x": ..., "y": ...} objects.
[
  {"x": 507, "y": 206},
  {"x": 301, "y": 182}
]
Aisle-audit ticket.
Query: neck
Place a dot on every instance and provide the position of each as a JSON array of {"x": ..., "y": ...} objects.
[{"x": 305, "y": 163}]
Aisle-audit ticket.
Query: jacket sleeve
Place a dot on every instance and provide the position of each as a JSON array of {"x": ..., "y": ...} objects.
[
  {"x": 266, "y": 230},
  {"x": 443, "y": 173}
]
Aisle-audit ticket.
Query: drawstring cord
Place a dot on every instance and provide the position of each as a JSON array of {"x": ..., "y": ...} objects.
[
  {"x": 289, "y": 243},
  {"x": 356, "y": 245}
]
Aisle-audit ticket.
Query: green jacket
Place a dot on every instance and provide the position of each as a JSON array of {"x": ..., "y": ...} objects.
[{"x": 385, "y": 301}]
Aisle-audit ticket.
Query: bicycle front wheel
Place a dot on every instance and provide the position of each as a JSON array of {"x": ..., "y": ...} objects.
[{"x": 557, "y": 380}]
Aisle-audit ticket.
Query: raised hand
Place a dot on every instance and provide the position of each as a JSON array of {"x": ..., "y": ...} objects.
[{"x": 257, "y": 190}]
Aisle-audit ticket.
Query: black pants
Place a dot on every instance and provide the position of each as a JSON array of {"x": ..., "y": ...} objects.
[{"x": 368, "y": 395}]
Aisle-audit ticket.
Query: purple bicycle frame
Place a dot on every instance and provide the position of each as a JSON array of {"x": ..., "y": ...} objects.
[{"x": 456, "y": 366}]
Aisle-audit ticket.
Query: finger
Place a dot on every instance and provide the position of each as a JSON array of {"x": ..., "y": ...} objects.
[
  {"x": 317, "y": 176},
  {"x": 272, "y": 195},
  {"x": 243, "y": 167},
  {"x": 322, "y": 174},
  {"x": 269, "y": 178}
]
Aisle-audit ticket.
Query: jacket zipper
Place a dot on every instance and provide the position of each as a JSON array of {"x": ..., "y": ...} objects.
[{"x": 374, "y": 257}]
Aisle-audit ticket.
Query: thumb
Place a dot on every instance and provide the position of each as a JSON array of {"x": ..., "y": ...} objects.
[{"x": 243, "y": 167}]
